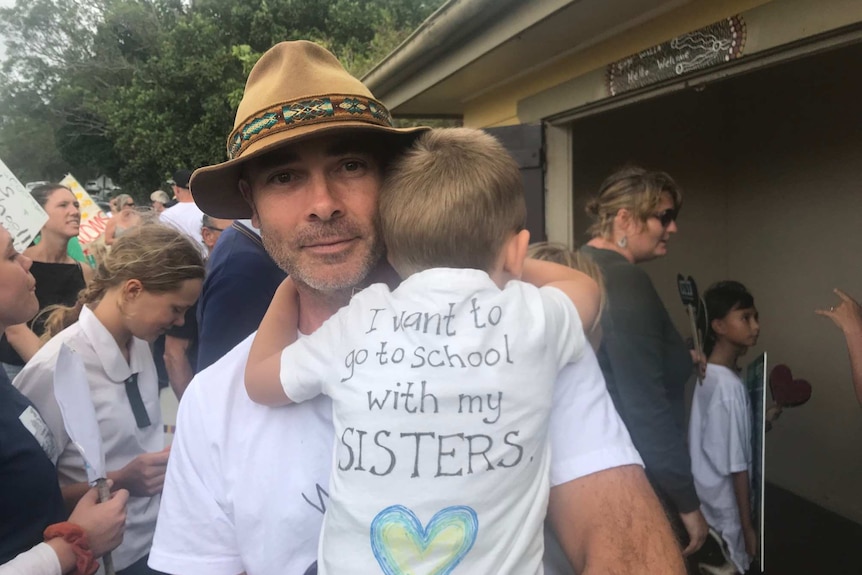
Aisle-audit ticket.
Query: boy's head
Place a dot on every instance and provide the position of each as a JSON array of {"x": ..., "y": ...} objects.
[
  {"x": 731, "y": 314},
  {"x": 455, "y": 199}
]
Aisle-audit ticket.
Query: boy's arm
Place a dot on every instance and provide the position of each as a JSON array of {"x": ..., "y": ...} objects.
[
  {"x": 743, "y": 501},
  {"x": 277, "y": 331},
  {"x": 578, "y": 286}
]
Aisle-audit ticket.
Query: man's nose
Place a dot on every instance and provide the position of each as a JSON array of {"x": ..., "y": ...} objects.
[{"x": 325, "y": 204}]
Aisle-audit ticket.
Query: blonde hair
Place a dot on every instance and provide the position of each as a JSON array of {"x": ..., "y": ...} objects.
[
  {"x": 452, "y": 200},
  {"x": 575, "y": 259},
  {"x": 632, "y": 188},
  {"x": 158, "y": 256}
]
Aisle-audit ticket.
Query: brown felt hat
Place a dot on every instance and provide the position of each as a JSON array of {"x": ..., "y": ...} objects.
[{"x": 297, "y": 90}]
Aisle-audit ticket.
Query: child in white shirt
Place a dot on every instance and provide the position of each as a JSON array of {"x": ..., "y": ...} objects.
[
  {"x": 721, "y": 419},
  {"x": 441, "y": 388}
]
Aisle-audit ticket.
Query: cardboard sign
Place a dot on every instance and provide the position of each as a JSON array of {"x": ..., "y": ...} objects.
[
  {"x": 20, "y": 214},
  {"x": 93, "y": 219},
  {"x": 755, "y": 382},
  {"x": 79, "y": 416}
]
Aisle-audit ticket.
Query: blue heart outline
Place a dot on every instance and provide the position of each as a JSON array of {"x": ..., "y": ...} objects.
[{"x": 460, "y": 514}]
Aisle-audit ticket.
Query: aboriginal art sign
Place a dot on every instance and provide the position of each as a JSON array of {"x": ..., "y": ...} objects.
[{"x": 704, "y": 48}]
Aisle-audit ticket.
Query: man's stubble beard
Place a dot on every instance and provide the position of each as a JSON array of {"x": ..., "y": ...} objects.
[{"x": 304, "y": 272}]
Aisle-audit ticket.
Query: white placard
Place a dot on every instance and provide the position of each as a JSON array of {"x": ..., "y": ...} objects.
[
  {"x": 79, "y": 416},
  {"x": 20, "y": 214}
]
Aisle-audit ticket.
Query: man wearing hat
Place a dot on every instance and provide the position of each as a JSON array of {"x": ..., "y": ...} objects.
[
  {"x": 185, "y": 216},
  {"x": 246, "y": 486}
]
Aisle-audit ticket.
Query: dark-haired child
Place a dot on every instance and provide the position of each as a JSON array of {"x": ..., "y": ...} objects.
[{"x": 720, "y": 425}]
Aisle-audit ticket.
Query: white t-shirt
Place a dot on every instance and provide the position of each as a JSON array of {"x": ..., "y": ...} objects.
[
  {"x": 441, "y": 393},
  {"x": 720, "y": 444},
  {"x": 247, "y": 485},
  {"x": 122, "y": 439},
  {"x": 186, "y": 217}
]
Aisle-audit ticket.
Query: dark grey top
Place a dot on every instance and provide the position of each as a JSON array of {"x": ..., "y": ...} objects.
[{"x": 646, "y": 365}]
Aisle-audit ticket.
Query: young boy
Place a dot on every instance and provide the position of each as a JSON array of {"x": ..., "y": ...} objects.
[
  {"x": 720, "y": 425},
  {"x": 441, "y": 388}
]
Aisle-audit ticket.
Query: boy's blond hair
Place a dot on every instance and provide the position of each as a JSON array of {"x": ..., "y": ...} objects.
[{"x": 452, "y": 200}]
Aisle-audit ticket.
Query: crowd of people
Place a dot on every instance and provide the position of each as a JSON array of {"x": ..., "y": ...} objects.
[{"x": 460, "y": 401}]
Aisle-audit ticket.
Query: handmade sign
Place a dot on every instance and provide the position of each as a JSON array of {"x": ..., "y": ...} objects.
[
  {"x": 755, "y": 382},
  {"x": 20, "y": 214},
  {"x": 691, "y": 300}
]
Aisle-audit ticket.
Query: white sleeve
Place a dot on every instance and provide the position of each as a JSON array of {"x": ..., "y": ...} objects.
[
  {"x": 587, "y": 435},
  {"x": 564, "y": 331},
  {"x": 727, "y": 437},
  {"x": 314, "y": 362},
  {"x": 40, "y": 560},
  {"x": 36, "y": 382},
  {"x": 195, "y": 532}
]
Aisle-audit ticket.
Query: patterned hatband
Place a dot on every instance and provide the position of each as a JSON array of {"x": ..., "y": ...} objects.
[{"x": 306, "y": 112}]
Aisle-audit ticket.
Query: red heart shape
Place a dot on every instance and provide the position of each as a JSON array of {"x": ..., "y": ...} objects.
[{"x": 786, "y": 391}]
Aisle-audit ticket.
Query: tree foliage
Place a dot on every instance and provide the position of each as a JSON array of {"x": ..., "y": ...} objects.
[{"x": 137, "y": 88}]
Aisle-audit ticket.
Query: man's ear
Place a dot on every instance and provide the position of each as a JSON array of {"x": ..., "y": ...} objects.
[
  {"x": 245, "y": 190},
  {"x": 515, "y": 252}
]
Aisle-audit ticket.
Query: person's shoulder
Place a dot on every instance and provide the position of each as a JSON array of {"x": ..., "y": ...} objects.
[
  {"x": 45, "y": 359},
  {"x": 221, "y": 385}
]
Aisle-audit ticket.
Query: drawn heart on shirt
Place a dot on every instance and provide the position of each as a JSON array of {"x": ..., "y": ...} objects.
[
  {"x": 786, "y": 391},
  {"x": 401, "y": 545}
]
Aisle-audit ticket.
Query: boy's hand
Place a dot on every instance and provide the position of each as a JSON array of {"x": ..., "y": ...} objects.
[{"x": 750, "y": 540}]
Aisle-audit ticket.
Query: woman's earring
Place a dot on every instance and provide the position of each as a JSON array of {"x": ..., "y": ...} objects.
[{"x": 623, "y": 242}]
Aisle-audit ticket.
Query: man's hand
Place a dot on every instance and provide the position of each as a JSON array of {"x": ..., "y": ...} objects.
[
  {"x": 611, "y": 523},
  {"x": 143, "y": 476},
  {"x": 847, "y": 315},
  {"x": 750, "y": 539},
  {"x": 697, "y": 530}
]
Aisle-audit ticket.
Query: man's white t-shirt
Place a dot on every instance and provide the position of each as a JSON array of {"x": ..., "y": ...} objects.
[
  {"x": 186, "y": 217},
  {"x": 720, "y": 445},
  {"x": 122, "y": 440},
  {"x": 441, "y": 393},
  {"x": 247, "y": 485}
]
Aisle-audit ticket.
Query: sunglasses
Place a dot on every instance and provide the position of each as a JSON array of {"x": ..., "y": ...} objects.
[
  {"x": 215, "y": 229},
  {"x": 666, "y": 218},
  {"x": 128, "y": 205}
]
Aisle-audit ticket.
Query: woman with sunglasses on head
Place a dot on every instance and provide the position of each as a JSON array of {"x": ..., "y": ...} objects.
[
  {"x": 59, "y": 278},
  {"x": 37, "y": 536},
  {"x": 645, "y": 362},
  {"x": 125, "y": 219}
]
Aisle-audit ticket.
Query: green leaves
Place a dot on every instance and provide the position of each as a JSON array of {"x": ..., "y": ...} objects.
[{"x": 137, "y": 88}]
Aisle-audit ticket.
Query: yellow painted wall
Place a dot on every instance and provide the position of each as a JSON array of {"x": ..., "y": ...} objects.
[{"x": 500, "y": 108}]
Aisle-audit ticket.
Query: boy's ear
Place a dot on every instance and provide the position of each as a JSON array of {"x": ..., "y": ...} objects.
[
  {"x": 515, "y": 252},
  {"x": 717, "y": 326}
]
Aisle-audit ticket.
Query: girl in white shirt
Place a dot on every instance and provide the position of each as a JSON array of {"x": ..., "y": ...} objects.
[
  {"x": 720, "y": 424},
  {"x": 151, "y": 277}
]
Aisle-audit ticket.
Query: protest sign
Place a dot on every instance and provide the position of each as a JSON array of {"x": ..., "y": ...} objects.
[
  {"x": 20, "y": 214},
  {"x": 93, "y": 219}
]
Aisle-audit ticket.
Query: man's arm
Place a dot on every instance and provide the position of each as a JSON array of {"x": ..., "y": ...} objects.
[
  {"x": 848, "y": 316},
  {"x": 177, "y": 364},
  {"x": 610, "y": 522}
]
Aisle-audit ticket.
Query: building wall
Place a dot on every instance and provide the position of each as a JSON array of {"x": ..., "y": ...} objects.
[{"x": 770, "y": 165}]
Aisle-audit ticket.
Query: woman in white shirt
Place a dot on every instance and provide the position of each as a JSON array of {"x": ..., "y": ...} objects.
[
  {"x": 30, "y": 499},
  {"x": 151, "y": 277}
]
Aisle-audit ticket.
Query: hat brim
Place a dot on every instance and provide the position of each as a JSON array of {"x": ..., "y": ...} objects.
[{"x": 215, "y": 189}]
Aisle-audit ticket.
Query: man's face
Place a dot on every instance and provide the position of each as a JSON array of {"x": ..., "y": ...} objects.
[{"x": 316, "y": 206}]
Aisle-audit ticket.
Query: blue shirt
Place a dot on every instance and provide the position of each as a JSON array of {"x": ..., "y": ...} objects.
[{"x": 241, "y": 281}]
